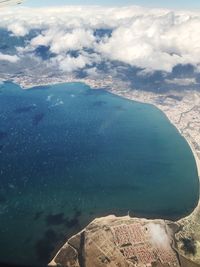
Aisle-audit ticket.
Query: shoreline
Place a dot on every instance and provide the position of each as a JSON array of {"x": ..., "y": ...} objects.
[
  {"x": 197, "y": 159},
  {"x": 125, "y": 95},
  {"x": 194, "y": 154},
  {"x": 187, "y": 225},
  {"x": 196, "y": 210}
]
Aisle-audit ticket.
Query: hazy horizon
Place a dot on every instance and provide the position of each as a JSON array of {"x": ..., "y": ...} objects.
[{"x": 195, "y": 4}]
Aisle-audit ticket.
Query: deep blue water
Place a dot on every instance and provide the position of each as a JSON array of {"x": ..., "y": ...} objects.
[{"x": 69, "y": 154}]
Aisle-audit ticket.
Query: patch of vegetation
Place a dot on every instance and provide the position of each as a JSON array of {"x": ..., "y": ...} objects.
[{"x": 189, "y": 245}]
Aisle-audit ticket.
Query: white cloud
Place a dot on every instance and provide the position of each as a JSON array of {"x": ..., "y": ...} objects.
[
  {"x": 18, "y": 29},
  {"x": 153, "y": 39},
  {"x": 158, "y": 235},
  {"x": 92, "y": 72},
  {"x": 75, "y": 40},
  {"x": 11, "y": 59},
  {"x": 155, "y": 42},
  {"x": 70, "y": 64},
  {"x": 61, "y": 41},
  {"x": 182, "y": 81}
]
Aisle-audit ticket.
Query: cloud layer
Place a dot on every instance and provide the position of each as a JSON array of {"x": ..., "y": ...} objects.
[
  {"x": 9, "y": 58},
  {"x": 150, "y": 39}
]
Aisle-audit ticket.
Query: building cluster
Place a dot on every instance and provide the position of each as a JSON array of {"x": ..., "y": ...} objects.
[
  {"x": 134, "y": 241},
  {"x": 128, "y": 234},
  {"x": 140, "y": 254},
  {"x": 30, "y": 81},
  {"x": 166, "y": 256}
]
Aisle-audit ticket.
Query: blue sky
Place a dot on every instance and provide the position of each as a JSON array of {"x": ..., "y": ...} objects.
[{"x": 189, "y": 4}]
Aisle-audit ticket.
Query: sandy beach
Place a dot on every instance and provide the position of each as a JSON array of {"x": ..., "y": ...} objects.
[
  {"x": 195, "y": 155},
  {"x": 196, "y": 212}
]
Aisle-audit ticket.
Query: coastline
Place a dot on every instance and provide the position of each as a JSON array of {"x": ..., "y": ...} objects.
[
  {"x": 88, "y": 83},
  {"x": 102, "y": 243},
  {"x": 109, "y": 86},
  {"x": 175, "y": 114},
  {"x": 197, "y": 159},
  {"x": 194, "y": 152}
]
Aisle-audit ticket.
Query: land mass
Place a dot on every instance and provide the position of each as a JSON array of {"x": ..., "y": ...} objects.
[
  {"x": 125, "y": 241},
  {"x": 120, "y": 241}
]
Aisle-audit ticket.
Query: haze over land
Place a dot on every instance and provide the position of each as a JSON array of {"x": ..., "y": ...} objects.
[{"x": 153, "y": 49}]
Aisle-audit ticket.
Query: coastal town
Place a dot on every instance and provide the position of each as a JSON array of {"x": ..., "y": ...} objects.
[
  {"x": 120, "y": 241},
  {"x": 134, "y": 241}
]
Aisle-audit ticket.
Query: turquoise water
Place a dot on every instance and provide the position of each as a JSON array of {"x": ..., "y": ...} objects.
[{"x": 69, "y": 154}]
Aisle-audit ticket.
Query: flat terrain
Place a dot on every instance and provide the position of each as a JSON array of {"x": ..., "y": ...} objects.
[
  {"x": 120, "y": 241},
  {"x": 125, "y": 241}
]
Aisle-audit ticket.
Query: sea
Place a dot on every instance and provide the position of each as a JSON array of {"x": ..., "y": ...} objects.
[{"x": 69, "y": 154}]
